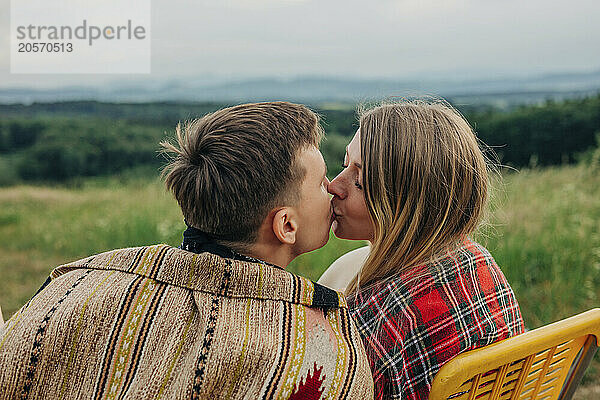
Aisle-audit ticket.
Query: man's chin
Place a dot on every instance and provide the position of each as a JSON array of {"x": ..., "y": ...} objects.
[
  {"x": 315, "y": 246},
  {"x": 325, "y": 238}
]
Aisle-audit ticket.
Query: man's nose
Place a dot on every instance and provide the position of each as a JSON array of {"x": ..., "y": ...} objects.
[{"x": 336, "y": 187}]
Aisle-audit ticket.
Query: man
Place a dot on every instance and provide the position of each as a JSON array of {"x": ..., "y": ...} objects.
[{"x": 218, "y": 317}]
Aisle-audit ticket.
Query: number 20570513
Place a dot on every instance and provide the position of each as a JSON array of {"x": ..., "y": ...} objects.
[{"x": 45, "y": 47}]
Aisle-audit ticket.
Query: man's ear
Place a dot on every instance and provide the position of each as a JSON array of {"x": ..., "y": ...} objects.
[{"x": 285, "y": 226}]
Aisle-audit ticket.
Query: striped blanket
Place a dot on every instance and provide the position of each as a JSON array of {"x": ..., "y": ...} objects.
[{"x": 160, "y": 322}]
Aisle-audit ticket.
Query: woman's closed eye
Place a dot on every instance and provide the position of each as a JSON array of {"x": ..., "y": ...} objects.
[{"x": 357, "y": 182}]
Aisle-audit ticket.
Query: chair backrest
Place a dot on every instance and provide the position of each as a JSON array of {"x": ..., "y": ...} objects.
[{"x": 546, "y": 363}]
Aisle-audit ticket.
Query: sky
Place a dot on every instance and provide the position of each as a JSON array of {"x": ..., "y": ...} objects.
[{"x": 395, "y": 39}]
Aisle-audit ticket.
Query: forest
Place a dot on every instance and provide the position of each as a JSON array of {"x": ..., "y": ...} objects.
[{"x": 59, "y": 142}]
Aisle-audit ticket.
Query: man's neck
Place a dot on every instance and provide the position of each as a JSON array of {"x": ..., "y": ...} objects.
[{"x": 278, "y": 255}]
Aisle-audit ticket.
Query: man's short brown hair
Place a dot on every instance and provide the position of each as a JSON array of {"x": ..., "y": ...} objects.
[{"x": 230, "y": 168}]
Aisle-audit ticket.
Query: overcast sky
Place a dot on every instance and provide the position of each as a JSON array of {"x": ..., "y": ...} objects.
[{"x": 236, "y": 39}]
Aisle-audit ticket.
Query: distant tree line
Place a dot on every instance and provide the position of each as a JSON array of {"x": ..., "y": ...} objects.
[
  {"x": 548, "y": 134},
  {"x": 60, "y": 141},
  {"x": 57, "y": 149}
]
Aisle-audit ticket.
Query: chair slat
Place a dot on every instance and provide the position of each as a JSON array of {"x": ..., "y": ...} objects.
[
  {"x": 474, "y": 387},
  {"x": 499, "y": 381},
  {"x": 524, "y": 374},
  {"x": 545, "y": 367}
]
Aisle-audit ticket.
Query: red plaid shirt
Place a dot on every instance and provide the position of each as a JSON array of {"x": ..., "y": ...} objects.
[{"x": 414, "y": 323}]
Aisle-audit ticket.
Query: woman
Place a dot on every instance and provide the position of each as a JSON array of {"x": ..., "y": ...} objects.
[{"x": 415, "y": 185}]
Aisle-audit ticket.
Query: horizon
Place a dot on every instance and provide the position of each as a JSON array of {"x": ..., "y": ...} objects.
[
  {"x": 216, "y": 79},
  {"x": 502, "y": 92}
]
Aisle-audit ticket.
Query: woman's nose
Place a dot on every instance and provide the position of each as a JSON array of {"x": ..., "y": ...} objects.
[{"x": 336, "y": 187}]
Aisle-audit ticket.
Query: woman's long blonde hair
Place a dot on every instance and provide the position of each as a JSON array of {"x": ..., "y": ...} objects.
[{"x": 425, "y": 183}]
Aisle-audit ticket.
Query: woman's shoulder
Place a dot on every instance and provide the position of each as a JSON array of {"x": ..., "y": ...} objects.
[
  {"x": 468, "y": 257},
  {"x": 475, "y": 249},
  {"x": 474, "y": 259}
]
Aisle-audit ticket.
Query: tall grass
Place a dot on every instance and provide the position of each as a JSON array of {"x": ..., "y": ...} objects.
[{"x": 545, "y": 235}]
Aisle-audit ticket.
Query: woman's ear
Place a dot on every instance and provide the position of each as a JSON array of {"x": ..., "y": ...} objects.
[{"x": 285, "y": 226}]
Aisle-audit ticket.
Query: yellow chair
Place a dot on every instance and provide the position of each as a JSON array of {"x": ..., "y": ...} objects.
[{"x": 546, "y": 363}]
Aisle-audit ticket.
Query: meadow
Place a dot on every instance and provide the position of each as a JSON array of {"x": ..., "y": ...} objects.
[{"x": 543, "y": 229}]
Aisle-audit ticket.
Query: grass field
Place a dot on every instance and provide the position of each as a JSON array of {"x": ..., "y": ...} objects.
[{"x": 544, "y": 231}]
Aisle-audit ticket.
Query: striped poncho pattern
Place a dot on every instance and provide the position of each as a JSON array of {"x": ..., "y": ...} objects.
[{"x": 160, "y": 322}]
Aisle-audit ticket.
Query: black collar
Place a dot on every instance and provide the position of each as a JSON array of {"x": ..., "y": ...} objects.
[{"x": 198, "y": 241}]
